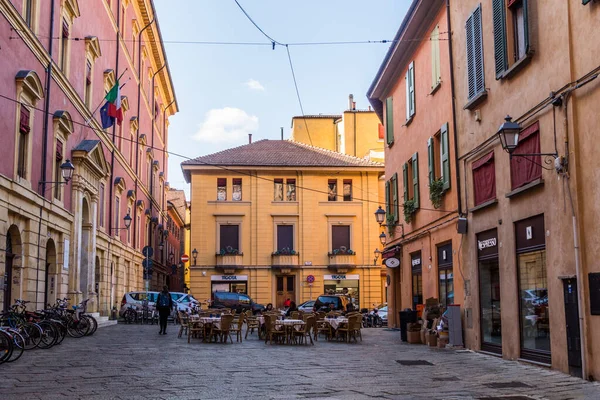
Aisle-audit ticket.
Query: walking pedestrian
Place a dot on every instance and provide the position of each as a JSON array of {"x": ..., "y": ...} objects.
[{"x": 164, "y": 304}]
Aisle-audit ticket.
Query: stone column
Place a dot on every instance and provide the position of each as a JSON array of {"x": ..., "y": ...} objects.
[
  {"x": 93, "y": 303},
  {"x": 75, "y": 267}
]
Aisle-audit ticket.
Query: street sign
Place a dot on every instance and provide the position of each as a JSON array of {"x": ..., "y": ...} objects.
[
  {"x": 310, "y": 278},
  {"x": 185, "y": 258},
  {"x": 147, "y": 251},
  {"x": 147, "y": 263}
]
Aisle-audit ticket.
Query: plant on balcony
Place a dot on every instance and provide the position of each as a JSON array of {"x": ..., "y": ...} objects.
[
  {"x": 390, "y": 221},
  {"x": 343, "y": 250},
  {"x": 286, "y": 251},
  {"x": 409, "y": 210},
  {"x": 229, "y": 250},
  {"x": 436, "y": 191}
]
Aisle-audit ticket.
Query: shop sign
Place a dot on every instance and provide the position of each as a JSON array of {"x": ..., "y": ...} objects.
[
  {"x": 229, "y": 278},
  {"x": 392, "y": 262},
  {"x": 484, "y": 244},
  {"x": 487, "y": 244},
  {"x": 416, "y": 262},
  {"x": 341, "y": 277}
]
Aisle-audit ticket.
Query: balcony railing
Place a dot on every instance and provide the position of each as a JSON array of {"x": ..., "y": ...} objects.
[
  {"x": 342, "y": 259},
  {"x": 285, "y": 259},
  {"x": 230, "y": 259}
]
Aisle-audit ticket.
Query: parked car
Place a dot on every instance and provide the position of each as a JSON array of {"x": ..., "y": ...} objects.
[
  {"x": 236, "y": 301},
  {"x": 184, "y": 301},
  {"x": 383, "y": 313},
  {"x": 307, "y": 306},
  {"x": 136, "y": 300},
  {"x": 339, "y": 301}
]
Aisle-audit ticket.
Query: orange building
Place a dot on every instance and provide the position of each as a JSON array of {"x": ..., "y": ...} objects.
[{"x": 412, "y": 95}]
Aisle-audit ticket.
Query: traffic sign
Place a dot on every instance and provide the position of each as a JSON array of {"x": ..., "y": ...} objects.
[
  {"x": 147, "y": 251},
  {"x": 185, "y": 258},
  {"x": 310, "y": 278},
  {"x": 147, "y": 263}
]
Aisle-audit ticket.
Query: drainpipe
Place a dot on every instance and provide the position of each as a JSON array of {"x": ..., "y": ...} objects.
[
  {"x": 45, "y": 152},
  {"x": 139, "y": 100},
  {"x": 165, "y": 129},
  {"x": 452, "y": 89}
]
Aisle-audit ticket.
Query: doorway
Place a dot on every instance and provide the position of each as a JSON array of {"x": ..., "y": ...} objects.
[
  {"x": 51, "y": 275},
  {"x": 285, "y": 290},
  {"x": 12, "y": 276},
  {"x": 7, "y": 284},
  {"x": 572, "y": 321}
]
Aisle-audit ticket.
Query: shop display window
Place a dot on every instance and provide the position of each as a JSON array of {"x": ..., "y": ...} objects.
[{"x": 533, "y": 292}]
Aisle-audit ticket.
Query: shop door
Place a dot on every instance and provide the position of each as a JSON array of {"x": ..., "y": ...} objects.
[
  {"x": 285, "y": 290},
  {"x": 572, "y": 320}
]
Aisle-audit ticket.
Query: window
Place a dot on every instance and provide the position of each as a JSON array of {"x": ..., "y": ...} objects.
[
  {"x": 474, "y": 38},
  {"x": 446, "y": 275},
  {"x": 221, "y": 189},
  {"x": 122, "y": 22},
  {"x": 410, "y": 91},
  {"x": 64, "y": 45},
  {"x": 524, "y": 170},
  {"x": 347, "y": 189},
  {"x": 511, "y": 35},
  {"x": 30, "y": 13},
  {"x": 229, "y": 240},
  {"x": 101, "y": 205},
  {"x": 389, "y": 121},
  {"x": 285, "y": 238},
  {"x": 438, "y": 157},
  {"x": 391, "y": 198},
  {"x": 57, "y": 171},
  {"x": 410, "y": 171},
  {"x": 23, "y": 146},
  {"x": 436, "y": 71},
  {"x": 134, "y": 45},
  {"x": 340, "y": 238},
  {"x": 88, "y": 84},
  {"x": 117, "y": 215},
  {"x": 332, "y": 190},
  {"x": 150, "y": 175},
  {"x": 236, "y": 194},
  {"x": 139, "y": 232},
  {"x": 278, "y": 189},
  {"x": 128, "y": 230},
  {"x": 417, "y": 279},
  {"x": 484, "y": 179},
  {"x": 291, "y": 190}
]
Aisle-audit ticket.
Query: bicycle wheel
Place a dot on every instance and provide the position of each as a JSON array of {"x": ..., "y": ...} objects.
[
  {"x": 19, "y": 345},
  {"x": 93, "y": 326},
  {"x": 129, "y": 316},
  {"x": 32, "y": 334},
  {"x": 61, "y": 327},
  {"x": 83, "y": 326},
  {"x": 49, "y": 335},
  {"x": 6, "y": 346},
  {"x": 73, "y": 328}
]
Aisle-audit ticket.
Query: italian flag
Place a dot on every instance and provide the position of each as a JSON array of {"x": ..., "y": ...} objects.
[{"x": 113, "y": 99}]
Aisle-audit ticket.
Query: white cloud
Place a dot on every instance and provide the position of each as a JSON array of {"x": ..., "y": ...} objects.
[
  {"x": 226, "y": 125},
  {"x": 254, "y": 85}
]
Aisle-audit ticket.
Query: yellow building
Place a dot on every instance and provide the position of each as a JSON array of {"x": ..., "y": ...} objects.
[
  {"x": 271, "y": 216},
  {"x": 355, "y": 132}
]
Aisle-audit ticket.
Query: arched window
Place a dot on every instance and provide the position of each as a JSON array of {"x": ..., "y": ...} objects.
[
  {"x": 63, "y": 127},
  {"x": 29, "y": 92}
]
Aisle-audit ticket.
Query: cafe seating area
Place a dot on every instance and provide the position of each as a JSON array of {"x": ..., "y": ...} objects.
[{"x": 299, "y": 328}]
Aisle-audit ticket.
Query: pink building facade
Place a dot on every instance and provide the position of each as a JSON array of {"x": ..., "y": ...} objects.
[{"x": 59, "y": 59}]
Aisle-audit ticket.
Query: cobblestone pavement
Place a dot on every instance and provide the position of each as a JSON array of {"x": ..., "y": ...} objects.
[{"x": 133, "y": 361}]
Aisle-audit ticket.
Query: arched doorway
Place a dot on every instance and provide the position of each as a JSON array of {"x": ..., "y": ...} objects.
[
  {"x": 51, "y": 274},
  {"x": 99, "y": 286},
  {"x": 112, "y": 286},
  {"x": 86, "y": 230},
  {"x": 12, "y": 272}
]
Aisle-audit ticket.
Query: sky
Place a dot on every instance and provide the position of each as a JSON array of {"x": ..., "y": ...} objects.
[{"x": 225, "y": 92}]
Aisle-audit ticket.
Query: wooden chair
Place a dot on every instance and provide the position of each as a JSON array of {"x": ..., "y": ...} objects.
[
  {"x": 237, "y": 325},
  {"x": 306, "y": 330},
  {"x": 194, "y": 327},
  {"x": 295, "y": 315},
  {"x": 322, "y": 327},
  {"x": 355, "y": 325},
  {"x": 224, "y": 330},
  {"x": 345, "y": 329},
  {"x": 270, "y": 330},
  {"x": 252, "y": 324},
  {"x": 183, "y": 323}
]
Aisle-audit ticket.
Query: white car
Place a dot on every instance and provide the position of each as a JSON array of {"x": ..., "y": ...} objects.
[
  {"x": 307, "y": 306},
  {"x": 383, "y": 311}
]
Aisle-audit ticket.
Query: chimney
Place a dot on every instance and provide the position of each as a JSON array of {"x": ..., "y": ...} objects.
[
  {"x": 350, "y": 101},
  {"x": 282, "y": 133},
  {"x": 369, "y": 108},
  {"x": 249, "y": 138},
  {"x": 353, "y": 106}
]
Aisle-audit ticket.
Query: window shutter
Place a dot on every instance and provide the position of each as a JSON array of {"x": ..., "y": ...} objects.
[
  {"x": 411, "y": 77},
  {"x": 470, "y": 58},
  {"x": 526, "y": 22},
  {"x": 431, "y": 160},
  {"x": 395, "y": 197},
  {"x": 59, "y": 150},
  {"x": 407, "y": 81},
  {"x": 500, "y": 50},
  {"x": 445, "y": 152},
  {"x": 65, "y": 29},
  {"x": 388, "y": 209},
  {"x": 478, "y": 42},
  {"x": 389, "y": 121},
  {"x": 221, "y": 181},
  {"x": 435, "y": 56},
  {"x": 415, "y": 168},
  {"x": 24, "y": 120},
  {"x": 405, "y": 181},
  {"x": 88, "y": 73}
]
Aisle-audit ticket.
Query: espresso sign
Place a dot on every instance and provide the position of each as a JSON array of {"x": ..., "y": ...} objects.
[
  {"x": 483, "y": 244},
  {"x": 487, "y": 244}
]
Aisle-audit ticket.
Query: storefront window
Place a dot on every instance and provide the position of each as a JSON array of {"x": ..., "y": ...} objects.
[
  {"x": 348, "y": 286},
  {"x": 535, "y": 330},
  {"x": 446, "y": 287},
  {"x": 489, "y": 297},
  {"x": 417, "y": 279}
]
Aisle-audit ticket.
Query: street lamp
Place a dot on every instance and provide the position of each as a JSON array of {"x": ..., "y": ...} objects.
[
  {"x": 126, "y": 221},
  {"x": 509, "y": 134},
  {"x": 383, "y": 238},
  {"x": 171, "y": 256},
  {"x": 66, "y": 170},
  {"x": 194, "y": 255},
  {"x": 376, "y": 254}
]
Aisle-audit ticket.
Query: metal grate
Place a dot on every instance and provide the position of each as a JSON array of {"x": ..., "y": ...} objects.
[
  {"x": 509, "y": 397},
  {"x": 413, "y": 362},
  {"x": 506, "y": 385}
]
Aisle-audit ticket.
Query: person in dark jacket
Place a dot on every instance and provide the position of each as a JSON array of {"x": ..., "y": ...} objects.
[
  {"x": 293, "y": 307},
  {"x": 164, "y": 305}
]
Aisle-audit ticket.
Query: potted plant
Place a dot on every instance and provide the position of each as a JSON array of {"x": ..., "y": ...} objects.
[
  {"x": 391, "y": 224},
  {"x": 436, "y": 191},
  {"x": 409, "y": 210}
]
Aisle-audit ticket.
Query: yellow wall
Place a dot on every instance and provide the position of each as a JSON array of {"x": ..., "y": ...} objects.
[
  {"x": 364, "y": 125},
  {"x": 317, "y": 132},
  {"x": 312, "y": 216}
]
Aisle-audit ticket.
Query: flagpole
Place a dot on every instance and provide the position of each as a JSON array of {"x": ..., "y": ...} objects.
[{"x": 103, "y": 99}]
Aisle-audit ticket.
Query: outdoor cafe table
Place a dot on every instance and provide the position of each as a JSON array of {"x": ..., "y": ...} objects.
[
  {"x": 336, "y": 322},
  {"x": 289, "y": 325},
  {"x": 207, "y": 322}
]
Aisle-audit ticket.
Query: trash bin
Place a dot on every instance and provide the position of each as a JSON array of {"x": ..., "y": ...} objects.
[
  {"x": 113, "y": 313},
  {"x": 406, "y": 317}
]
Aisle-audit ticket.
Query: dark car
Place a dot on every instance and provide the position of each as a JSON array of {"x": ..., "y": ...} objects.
[
  {"x": 236, "y": 301},
  {"x": 340, "y": 302}
]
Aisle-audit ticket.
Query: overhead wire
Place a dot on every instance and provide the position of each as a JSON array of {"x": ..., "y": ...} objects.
[{"x": 225, "y": 168}]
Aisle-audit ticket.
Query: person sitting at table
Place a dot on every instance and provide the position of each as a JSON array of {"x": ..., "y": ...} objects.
[
  {"x": 292, "y": 308},
  {"x": 269, "y": 307},
  {"x": 349, "y": 308},
  {"x": 287, "y": 303}
]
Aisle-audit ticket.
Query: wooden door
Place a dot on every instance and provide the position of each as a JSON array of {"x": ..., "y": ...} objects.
[{"x": 285, "y": 290}]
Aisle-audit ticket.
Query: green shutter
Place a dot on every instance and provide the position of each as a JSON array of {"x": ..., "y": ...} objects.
[
  {"x": 405, "y": 181},
  {"x": 407, "y": 80},
  {"x": 445, "y": 156},
  {"x": 395, "y": 197},
  {"x": 500, "y": 49},
  {"x": 389, "y": 121},
  {"x": 584, "y": 2},
  {"x": 526, "y": 24},
  {"x": 415, "y": 168},
  {"x": 431, "y": 160},
  {"x": 411, "y": 79},
  {"x": 388, "y": 209}
]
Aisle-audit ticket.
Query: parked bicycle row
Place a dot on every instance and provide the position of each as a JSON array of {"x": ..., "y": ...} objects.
[{"x": 22, "y": 330}]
